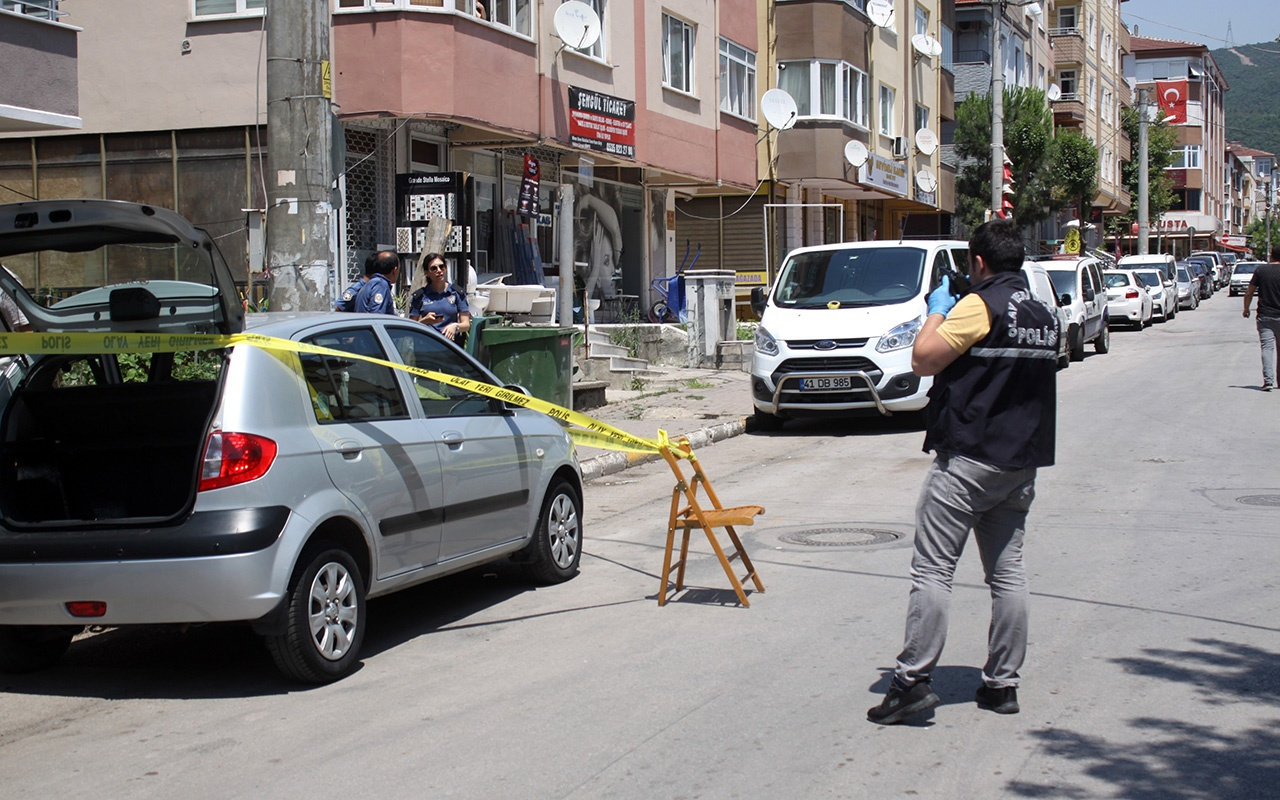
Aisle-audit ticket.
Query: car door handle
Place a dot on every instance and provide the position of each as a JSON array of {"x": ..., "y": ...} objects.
[
  {"x": 349, "y": 449},
  {"x": 453, "y": 439}
]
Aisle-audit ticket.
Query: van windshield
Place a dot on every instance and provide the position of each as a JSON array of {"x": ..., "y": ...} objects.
[
  {"x": 864, "y": 276},
  {"x": 1064, "y": 281}
]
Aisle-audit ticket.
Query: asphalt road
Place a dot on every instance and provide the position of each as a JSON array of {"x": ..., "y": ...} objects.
[{"x": 1152, "y": 672}]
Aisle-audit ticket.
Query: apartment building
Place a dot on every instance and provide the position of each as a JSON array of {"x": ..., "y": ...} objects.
[
  {"x": 1025, "y": 49},
  {"x": 39, "y": 53},
  {"x": 853, "y": 80},
  {"x": 1258, "y": 166},
  {"x": 474, "y": 94},
  {"x": 1184, "y": 79},
  {"x": 1238, "y": 191},
  {"x": 1090, "y": 44}
]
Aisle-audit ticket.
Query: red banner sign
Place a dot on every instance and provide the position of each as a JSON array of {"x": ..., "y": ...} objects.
[
  {"x": 602, "y": 122},
  {"x": 1172, "y": 96}
]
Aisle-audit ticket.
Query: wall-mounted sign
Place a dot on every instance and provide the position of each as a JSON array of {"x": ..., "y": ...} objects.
[
  {"x": 602, "y": 123},
  {"x": 528, "y": 205},
  {"x": 883, "y": 173}
]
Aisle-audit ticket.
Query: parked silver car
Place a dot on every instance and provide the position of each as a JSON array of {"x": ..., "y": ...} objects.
[
  {"x": 1188, "y": 289},
  {"x": 279, "y": 488}
]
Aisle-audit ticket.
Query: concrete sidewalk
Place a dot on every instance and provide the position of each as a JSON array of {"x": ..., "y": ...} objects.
[{"x": 706, "y": 405}]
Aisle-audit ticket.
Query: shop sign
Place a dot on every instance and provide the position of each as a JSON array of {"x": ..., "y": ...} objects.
[
  {"x": 1235, "y": 241},
  {"x": 1178, "y": 222},
  {"x": 884, "y": 174},
  {"x": 602, "y": 123},
  {"x": 528, "y": 205}
]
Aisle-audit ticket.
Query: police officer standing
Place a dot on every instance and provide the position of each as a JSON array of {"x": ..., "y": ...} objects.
[
  {"x": 376, "y": 297},
  {"x": 347, "y": 302},
  {"x": 991, "y": 424}
]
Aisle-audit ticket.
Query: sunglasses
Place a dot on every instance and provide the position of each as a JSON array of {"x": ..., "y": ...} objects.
[{"x": 435, "y": 267}]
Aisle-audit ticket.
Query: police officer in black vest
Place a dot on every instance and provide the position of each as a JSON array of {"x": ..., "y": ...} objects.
[{"x": 991, "y": 421}]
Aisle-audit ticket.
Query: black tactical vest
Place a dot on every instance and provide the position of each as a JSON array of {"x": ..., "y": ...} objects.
[{"x": 997, "y": 402}]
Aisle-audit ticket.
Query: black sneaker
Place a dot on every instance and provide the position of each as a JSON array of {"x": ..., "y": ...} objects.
[
  {"x": 1002, "y": 701},
  {"x": 901, "y": 703}
]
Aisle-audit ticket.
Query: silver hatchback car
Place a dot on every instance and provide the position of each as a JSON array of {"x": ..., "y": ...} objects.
[{"x": 253, "y": 484}]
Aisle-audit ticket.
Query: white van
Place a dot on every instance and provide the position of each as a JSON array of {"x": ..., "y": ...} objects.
[{"x": 837, "y": 327}]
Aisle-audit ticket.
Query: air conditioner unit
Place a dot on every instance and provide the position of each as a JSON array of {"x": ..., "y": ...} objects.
[{"x": 900, "y": 146}]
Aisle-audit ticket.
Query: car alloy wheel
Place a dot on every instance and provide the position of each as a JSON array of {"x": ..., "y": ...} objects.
[
  {"x": 553, "y": 554},
  {"x": 325, "y": 617},
  {"x": 334, "y": 613}
]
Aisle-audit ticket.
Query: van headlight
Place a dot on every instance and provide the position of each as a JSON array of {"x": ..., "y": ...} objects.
[
  {"x": 900, "y": 336},
  {"x": 765, "y": 343}
]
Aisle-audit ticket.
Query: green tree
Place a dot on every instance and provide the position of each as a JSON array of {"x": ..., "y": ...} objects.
[
  {"x": 1161, "y": 140},
  {"x": 1028, "y": 141},
  {"x": 1074, "y": 172},
  {"x": 1257, "y": 233}
]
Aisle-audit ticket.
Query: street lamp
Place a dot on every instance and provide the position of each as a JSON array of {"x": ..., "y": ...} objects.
[{"x": 997, "y": 96}]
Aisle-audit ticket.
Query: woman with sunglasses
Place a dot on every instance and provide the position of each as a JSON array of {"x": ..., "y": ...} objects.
[{"x": 438, "y": 304}]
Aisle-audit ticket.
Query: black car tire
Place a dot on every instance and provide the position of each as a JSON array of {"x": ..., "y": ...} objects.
[
  {"x": 1077, "y": 343},
  {"x": 1103, "y": 343},
  {"x": 30, "y": 648},
  {"x": 556, "y": 550},
  {"x": 304, "y": 652}
]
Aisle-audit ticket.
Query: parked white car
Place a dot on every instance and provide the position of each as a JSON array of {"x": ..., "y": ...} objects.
[
  {"x": 1164, "y": 302},
  {"x": 1168, "y": 268},
  {"x": 1078, "y": 282},
  {"x": 1042, "y": 287},
  {"x": 1127, "y": 298},
  {"x": 837, "y": 327}
]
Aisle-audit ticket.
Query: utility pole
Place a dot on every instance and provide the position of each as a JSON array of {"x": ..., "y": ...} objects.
[
  {"x": 1144, "y": 177},
  {"x": 997, "y": 109},
  {"x": 299, "y": 161}
]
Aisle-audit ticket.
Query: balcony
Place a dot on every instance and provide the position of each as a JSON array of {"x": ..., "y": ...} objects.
[
  {"x": 1068, "y": 45},
  {"x": 40, "y": 91},
  {"x": 972, "y": 57},
  {"x": 1125, "y": 95},
  {"x": 1069, "y": 111}
]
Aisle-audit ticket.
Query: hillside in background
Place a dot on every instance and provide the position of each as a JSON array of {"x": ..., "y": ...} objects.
[{"x": 1253, "y": 103}]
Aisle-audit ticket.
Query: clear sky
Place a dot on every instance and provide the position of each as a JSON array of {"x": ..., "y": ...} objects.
[{"x": 1204, "y": 21}]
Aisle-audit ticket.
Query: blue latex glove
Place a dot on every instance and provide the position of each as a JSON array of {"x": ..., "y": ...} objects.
[{"x": 940, "y": 299}]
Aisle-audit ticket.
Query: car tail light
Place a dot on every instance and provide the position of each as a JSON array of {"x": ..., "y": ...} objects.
[
  {"x": 87, "y": 608},
  {"x": 1132, "y": 294},
  {"x": 232, "y": 458}
]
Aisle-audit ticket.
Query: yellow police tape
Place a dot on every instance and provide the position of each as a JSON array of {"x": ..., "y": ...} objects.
[{"x": 591, "y": 433}]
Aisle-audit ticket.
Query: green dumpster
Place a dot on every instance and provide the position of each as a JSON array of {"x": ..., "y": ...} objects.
[{"x": 538, "y": 358}]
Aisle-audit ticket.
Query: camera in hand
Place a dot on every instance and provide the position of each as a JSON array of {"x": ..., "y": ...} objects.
[{"x": 959, "y": 282}]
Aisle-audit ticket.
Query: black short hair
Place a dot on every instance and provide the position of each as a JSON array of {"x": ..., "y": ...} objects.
[
  {"x": 999, "y": 242},
  {"x": 383, "y": 262},
  {"x": 1275, "y": 253}
]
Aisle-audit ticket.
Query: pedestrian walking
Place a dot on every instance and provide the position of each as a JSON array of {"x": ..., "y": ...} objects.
[
  {"x": 439, "y": 304},
  {"x": 1265, "y": 283},
  {"x": 376, "y": 296},
  {"x": 991, "y": 424}
]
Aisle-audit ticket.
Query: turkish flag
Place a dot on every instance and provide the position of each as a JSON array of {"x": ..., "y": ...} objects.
[{"x": 1172, "y": 96}]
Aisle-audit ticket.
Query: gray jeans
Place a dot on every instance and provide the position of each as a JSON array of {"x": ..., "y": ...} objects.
[
  {"x": 1268, "y": 330},
  {"x": 960, "y": 495}
]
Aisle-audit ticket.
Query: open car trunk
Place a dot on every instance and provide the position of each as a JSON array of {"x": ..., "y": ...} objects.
[{"x": 126, "y": 453}]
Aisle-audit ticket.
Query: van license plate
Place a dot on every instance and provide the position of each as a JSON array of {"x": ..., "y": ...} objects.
[{"x": 825, "y": 384}]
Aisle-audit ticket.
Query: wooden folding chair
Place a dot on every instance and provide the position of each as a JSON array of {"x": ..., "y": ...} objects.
[{"x": 694, "y": 515}]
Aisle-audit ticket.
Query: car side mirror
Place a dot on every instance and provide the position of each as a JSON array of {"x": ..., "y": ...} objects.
[
  {"x": 1088, "y": 294},
  {"x": 1064, "y": 300},
  {"x": 514, "y": 387},
  {"x": 758, "y": 296}
]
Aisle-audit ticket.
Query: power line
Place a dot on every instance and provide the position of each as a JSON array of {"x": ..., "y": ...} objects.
[{"x": 1200, "y": 34}]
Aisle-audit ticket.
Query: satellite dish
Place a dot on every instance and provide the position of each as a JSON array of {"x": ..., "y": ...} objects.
[
  {"x": 881, "y": 13},
  {"x": 855, "y": 152},
  {"x": 927, "y": 181},
  {"x": 926, "y": 45},
  {"x": 779, "y": 109},
  {"x": 926, "y": 141},
  {"x": 1053, "y": 93},
  {"x": 577, "y": 24}
]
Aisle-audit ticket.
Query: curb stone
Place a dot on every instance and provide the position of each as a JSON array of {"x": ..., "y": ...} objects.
[{"x": 617, "y": 461}]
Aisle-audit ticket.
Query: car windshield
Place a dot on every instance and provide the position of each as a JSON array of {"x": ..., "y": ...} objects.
[
  {"x": 1064, "y": 281},
  {"x": 863, "y": 276},
  {"x": 1149, "y": 278},
  {"x": 1114, "y": 279},
  {"x": 1183, "y": 275},
  {"x": 1244, "y": 269}
]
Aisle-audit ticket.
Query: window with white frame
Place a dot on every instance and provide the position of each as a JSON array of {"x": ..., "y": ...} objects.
[
  {"x": 1186, "y": 157},
  {"x": 514, "y": 14},
  {"x": 922, "y": 117},
  {"x": 1107, "y": 105},
  {"x": 737, "y": 80},
  {"x": 922, "y": 20},
  {"x": 1067, "y": 17},
  {"x": 211, "y": 8},
  {"x": 1089, "y": 33},
  {"x": 1068, "y": 83},
  {"x": 887, "y": 98},
  {"x": 1041, "y": 80},
  {"x": 1091, "y": 97},
  {"x": 1107, "y": 49},
  {"x": 677, "y": 53},
  {"x": 39, "y": 9},
  {"x": 596, "y": 50},
  {"x": 826, "y": 89}
]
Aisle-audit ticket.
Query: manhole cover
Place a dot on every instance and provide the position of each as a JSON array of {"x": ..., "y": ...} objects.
[
  {"x": 1260, "y": 500},
  {"x": 840, "y": 537}
]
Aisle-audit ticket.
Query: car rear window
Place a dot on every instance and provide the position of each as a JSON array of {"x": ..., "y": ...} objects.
[
  {"x": 1114, "y": 279},
  {"x": 1149, "y": 278}
]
